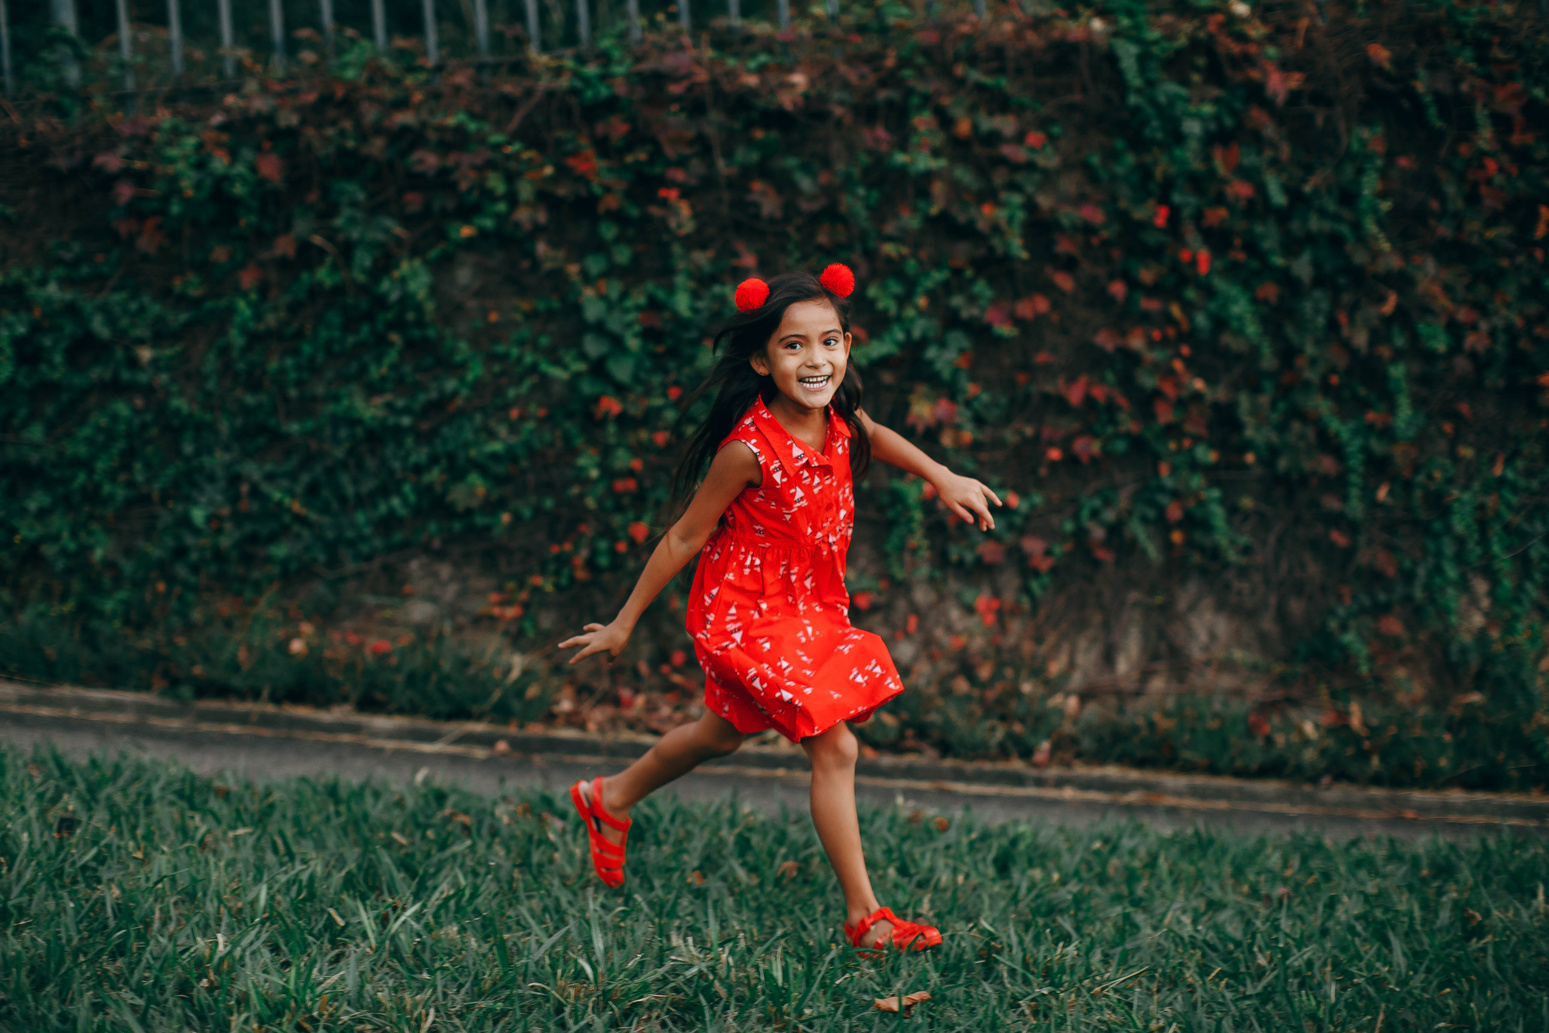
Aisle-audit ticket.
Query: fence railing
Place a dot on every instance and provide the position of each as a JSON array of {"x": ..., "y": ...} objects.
[{"x": 149, "y": 35}]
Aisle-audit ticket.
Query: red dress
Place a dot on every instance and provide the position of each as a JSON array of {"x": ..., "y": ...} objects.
[{"x": 769, "y": 613}]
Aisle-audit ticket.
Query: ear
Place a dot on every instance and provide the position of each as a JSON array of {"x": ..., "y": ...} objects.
[
  {"x": 847, "y": 345},
  {"x": 760, "y": 362}
]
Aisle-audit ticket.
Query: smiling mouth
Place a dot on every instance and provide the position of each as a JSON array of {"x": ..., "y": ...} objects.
[{"x": 815, "y": 383}]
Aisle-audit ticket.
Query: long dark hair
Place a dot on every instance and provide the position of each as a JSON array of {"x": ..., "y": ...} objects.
[{"x": 736, "y": 384}]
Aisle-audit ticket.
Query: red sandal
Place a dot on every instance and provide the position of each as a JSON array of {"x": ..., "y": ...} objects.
[
  {"x": 607, "y": 856},
  {"x": 906, "y": 936}
]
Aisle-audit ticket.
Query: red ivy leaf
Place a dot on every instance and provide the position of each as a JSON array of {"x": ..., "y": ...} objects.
[
  {"x": 991, "y": 552},
  {"x": 269, "y": 166},
  {"x": 1075, "y": 391},
  {"x": 150, "y": 237}
]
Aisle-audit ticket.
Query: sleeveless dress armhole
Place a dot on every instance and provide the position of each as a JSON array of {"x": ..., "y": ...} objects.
[{"x": 744, "y": 436}]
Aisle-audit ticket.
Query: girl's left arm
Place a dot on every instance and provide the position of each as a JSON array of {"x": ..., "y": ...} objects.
[{"x": 964, "y": 496}]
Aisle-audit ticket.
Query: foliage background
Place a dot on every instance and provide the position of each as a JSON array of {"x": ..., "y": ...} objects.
[{"x": 358, "y": 387}]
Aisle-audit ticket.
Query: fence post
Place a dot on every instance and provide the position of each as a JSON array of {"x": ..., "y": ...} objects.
[
  {"x": 734, "y": 12},
  {"x": 175, "y": 36},
  {"x": 481, "y": 26},
  {"x": 379, "y": 25},
  {"x": 534, "y": 38},
  {"x": 683, "y": 16},
  {"x": 432, "y": 49},
  {"x": 64, "y": 17},
  {"x": 125, "y": 44},
  {"x": 583, "y": 24},
  {"x": 228, "y": 60},
  {"x": 327, "y": 15},
  {"x": 785, "y": 14},
  {"x": 635, "y": 33},
  {"x": 833, "y": 8},
  {"x": 5, "y": 51},
  {"x": 979, "y": 9},
  {"x": 277, "y": 30}
]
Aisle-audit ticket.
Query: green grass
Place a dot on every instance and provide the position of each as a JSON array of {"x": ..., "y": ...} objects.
[{"x": 137, "y": 896}]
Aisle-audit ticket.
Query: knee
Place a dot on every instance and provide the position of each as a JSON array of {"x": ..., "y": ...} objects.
[{"x": 835, "y": 749}]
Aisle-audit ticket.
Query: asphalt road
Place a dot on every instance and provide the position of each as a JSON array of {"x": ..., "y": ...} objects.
[{"x": 240, "y": 756}]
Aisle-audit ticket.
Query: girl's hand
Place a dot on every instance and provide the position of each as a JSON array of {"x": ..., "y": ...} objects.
[
  {"x": 596, "y": 639},
  {"x": 967, "y": 498}
]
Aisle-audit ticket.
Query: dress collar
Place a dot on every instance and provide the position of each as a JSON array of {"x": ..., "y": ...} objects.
[{"x": 792, "y": 450}]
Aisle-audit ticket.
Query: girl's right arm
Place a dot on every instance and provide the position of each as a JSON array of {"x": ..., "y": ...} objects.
[{"x": 733, "y": 469}]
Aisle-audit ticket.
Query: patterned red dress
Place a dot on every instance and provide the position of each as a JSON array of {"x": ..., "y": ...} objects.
[{"x": 769, "y": 613}]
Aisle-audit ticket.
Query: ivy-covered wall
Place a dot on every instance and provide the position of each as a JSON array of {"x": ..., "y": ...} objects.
[{"x": 1244, "y": 313}]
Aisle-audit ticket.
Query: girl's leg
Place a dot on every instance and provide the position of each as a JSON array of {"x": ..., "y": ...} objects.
[
  {"x": 833, "y": 757},
  {"x": 676, "y": 753}
]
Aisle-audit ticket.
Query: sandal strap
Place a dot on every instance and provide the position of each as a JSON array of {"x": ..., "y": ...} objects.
[
  {"x": 607, "y": 851},
  {"x": 905, "y": 933},
  {"x": 602, "y": 815},
  {"x": 858, "y": 931}
]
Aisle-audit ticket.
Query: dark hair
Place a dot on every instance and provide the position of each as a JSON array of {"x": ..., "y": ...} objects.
[{"x": 736, "y": 384}]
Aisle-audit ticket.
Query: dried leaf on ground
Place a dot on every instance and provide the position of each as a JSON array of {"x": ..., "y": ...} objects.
[{"x": 891, "y": 1004}]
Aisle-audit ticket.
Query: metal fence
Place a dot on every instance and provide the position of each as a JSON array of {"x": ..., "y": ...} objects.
[{"x": 150, "y": 36}]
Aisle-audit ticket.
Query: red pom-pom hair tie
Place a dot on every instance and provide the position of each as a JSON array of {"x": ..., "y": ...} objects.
[
  {"x": 839, "y": 279},
  {"x": 751, "y": 293}
]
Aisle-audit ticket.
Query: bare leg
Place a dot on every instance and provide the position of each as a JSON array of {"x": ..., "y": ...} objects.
[
  {"x": 833, "y": 757},
  {"x": 675, "y": 754}
]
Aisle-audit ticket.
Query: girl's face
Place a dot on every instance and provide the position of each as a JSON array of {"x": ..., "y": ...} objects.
[{"x": 808, "y": 354}]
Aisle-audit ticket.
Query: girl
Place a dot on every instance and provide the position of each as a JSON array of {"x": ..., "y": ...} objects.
[{"x": 768, "y": 611}]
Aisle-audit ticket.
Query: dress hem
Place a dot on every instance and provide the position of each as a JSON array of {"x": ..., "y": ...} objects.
[{"x": 760, "y": 720}]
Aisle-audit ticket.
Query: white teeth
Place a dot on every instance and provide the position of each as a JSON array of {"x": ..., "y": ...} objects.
[{"x": 814, "y": 381}]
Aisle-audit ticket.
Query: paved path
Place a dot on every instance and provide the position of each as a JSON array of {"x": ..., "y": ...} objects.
[{"x": 247, "y": 755}]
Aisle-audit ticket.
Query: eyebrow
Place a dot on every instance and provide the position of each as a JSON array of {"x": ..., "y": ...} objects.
[{"x": 825, "y": 333}]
